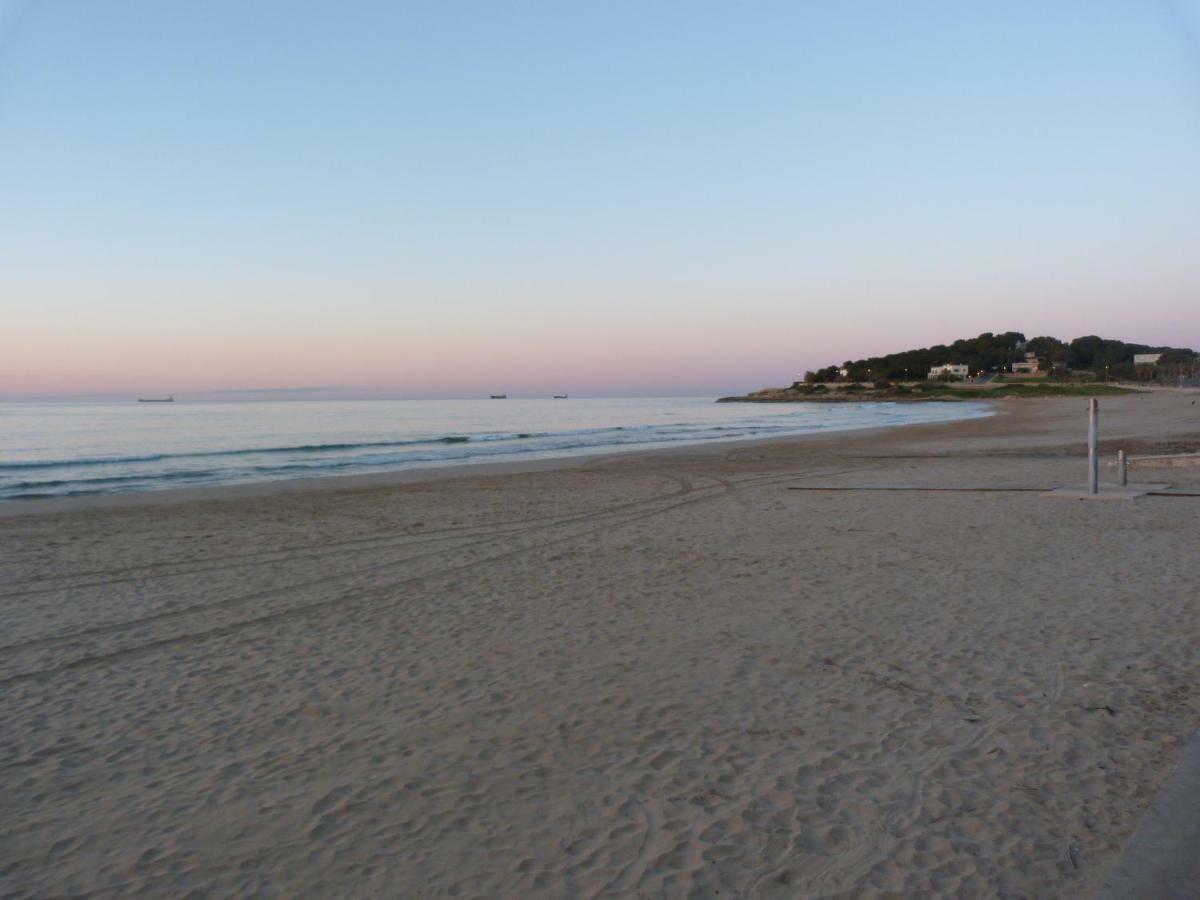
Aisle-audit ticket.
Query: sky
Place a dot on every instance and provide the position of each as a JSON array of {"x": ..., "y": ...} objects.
[{"x": 450, "y": 198}]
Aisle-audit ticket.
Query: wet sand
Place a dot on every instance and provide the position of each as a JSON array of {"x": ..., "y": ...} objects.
[{"x": 661, "y": 674}]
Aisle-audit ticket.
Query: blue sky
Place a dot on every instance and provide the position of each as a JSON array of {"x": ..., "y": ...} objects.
[{"x": 445, "y": 198}]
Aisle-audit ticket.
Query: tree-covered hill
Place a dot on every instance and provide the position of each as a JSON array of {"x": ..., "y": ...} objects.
[{"x": 996, "y": 352}]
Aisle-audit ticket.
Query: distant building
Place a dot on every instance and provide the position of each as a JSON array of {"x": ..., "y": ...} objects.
[
  {"x": 956, "y": 370},
  {"x": 1029, "y": 365},
  {"x": 1146, "y": 359}
]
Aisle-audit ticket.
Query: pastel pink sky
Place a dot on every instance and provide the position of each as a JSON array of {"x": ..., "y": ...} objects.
[
  {"x": 638, "y": 348},
  {"x": 439, "y": 200}
]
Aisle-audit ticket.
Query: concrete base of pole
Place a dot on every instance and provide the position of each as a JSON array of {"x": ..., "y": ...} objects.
[{"x": 1104, "y": 492}]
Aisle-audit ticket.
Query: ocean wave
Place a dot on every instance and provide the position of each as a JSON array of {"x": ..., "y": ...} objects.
[
  {"x": 114, "y": 479},
  {"x": 482, "y": 446},
  {"x": 341, "y": 447},
  {"x": 245, "y": 451}
]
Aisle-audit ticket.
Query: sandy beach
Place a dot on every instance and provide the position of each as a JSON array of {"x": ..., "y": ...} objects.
[{"x": 681, "y": 673}]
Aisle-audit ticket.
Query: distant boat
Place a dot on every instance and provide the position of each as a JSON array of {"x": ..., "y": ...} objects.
[
  {"x": 560, "y": 396},
  {"x": 499, "y": 396},
  {"x": 167, "y": 399}
]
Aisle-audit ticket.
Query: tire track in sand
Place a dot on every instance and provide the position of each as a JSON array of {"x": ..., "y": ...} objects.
[
  {"x": 484, "y": 534},
  {"x": 593, "y": 522}
]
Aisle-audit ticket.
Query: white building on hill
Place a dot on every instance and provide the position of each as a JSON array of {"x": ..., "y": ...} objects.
[
  {"x": 1029, "y": 365},
  {"x": 956, "y": 370}
]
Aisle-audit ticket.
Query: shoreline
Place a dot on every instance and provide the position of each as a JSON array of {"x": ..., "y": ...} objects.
[
  {"x": 835, "y": 398},
  {"x": 416, "y": 474}
]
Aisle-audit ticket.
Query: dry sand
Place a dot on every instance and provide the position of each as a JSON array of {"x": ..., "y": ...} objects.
[{"x": 656, "y": 675}]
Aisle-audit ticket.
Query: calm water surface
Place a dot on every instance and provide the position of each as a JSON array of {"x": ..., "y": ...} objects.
[{"x": 58, "y": 449}]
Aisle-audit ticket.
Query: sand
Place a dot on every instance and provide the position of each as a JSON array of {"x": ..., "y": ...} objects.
[{"x": 662, "y": 674}]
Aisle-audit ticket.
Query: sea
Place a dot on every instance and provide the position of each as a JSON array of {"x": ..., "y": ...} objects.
[{"x": 70, "y": 449}]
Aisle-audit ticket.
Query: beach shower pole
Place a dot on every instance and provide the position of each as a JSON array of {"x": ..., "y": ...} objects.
[{"x": 1093, "y": 459}]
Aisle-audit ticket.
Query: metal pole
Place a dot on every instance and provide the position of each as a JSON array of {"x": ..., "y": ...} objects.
[
  {"x": 1093, "y": 460},
  {"x": 1123, "y": 467}
]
